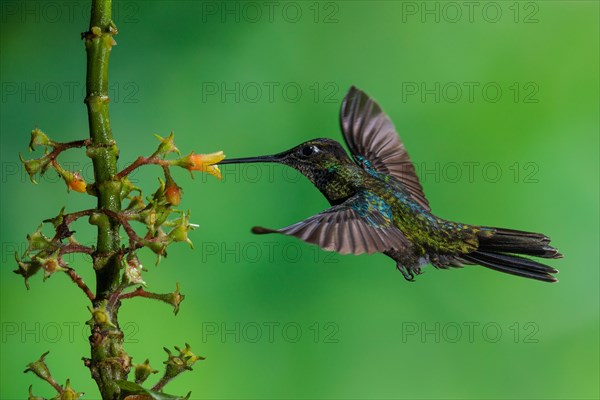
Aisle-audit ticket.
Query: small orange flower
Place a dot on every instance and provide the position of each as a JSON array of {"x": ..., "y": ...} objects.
[
  {"x": 77, "y": 183},
  {"x": 205, "y": 163},
  {"x": 73, "y": 180}
]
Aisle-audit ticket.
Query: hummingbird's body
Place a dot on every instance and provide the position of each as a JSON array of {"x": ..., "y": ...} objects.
[
  {"x": 429, "y": 237},
  {"x": 378, "y": 205}
]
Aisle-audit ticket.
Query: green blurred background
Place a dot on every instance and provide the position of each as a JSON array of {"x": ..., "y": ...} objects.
[{"x": 256, "y": 78}]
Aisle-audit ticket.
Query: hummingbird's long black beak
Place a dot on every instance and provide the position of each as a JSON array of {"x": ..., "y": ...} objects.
[{"x": 260, "y": 159}]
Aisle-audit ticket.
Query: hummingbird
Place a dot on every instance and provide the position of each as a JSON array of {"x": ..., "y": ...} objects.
[{"x": 377, "y": 204}]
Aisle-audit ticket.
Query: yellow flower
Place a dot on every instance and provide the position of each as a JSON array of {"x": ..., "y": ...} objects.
[
  {"x": 73, "y": 180},
  {"x": 77, "y": 183},
  {"x": 205, "y": 163}
]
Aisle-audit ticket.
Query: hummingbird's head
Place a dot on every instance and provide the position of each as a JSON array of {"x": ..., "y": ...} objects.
[
  {"x": 314, "y": 154},
  {"x": 308, "y": 155},
  {"x": 323, "y": 161}
]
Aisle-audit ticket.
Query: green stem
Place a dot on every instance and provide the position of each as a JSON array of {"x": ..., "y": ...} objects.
[{"x": 109, "y": 362}]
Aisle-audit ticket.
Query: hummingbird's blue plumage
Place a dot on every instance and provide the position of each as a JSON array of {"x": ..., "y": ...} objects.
[
  {"x": 373, "y": 202},
  {"x": 378, "y": 204}
]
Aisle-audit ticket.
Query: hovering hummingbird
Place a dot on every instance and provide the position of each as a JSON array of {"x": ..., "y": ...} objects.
[{"x": 378, "y": 205}]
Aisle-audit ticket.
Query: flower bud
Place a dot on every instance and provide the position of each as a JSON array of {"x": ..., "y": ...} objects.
[
  {"x": 73, "y": 180},
  {"x": 77, "y": 183},
  {"x": 40, "y": 368},
  {"x": 50, "y": 265},
  {"x": 155, "y": 216},
  {"x": 100, "y": 317},
  {"x": 177, "y": 364},
  {"x": 175, "y": 298},
  {"x": 132, "y": 274},
  {"x": 186, "y": 353},
  {"x": 158, "y": 244},
  {"x": 68, "y": 393},
  {"x": 58, "y": 220},
  {"x": 39, "y": 138},
  {"x": 127, "y": 187},
  {"x": 32, "y": 396},
  {"x": 27, "y": 268},
  {"x": 34, "y": 166},
  {"x": 38, "y": 241},
  {"x": 143, "y": 371},
  {"x": 173, "y": 194},
  {"x": 180, "y": 232},
  {"x": 167, "y": 145},
  {"x": 96, "y": 31},
  {"x": 158, "y": 248}
]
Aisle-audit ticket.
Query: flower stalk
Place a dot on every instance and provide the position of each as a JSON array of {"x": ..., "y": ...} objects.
[
  {"x": 117, "y": 266},
  {"x": 109, "y": 362}
]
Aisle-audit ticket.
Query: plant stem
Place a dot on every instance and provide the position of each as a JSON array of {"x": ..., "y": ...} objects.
[
  {"x": 79, "y": 282},
  {"x": 143, "y": 161},
  {"x": 109, "y": 362}
]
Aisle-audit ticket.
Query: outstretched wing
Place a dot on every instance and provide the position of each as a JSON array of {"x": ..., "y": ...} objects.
[
  {"x": 362, "y": 224},
  {"x": 375, "y": 144}
]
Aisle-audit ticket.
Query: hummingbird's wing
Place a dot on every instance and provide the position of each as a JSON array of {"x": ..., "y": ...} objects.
[
  {"x": 375, "y": 144},
  {"x": 362, "y": 224}
]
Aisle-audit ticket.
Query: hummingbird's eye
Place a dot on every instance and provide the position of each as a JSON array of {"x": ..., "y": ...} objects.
[{"x": 309, "y": 150}]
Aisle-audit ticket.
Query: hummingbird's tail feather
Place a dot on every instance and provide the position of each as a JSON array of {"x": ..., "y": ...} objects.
[
  {"x": 518, "y": 242},
  {"x": 512, "y": 264},
  {"x": 500, "y": 250}
]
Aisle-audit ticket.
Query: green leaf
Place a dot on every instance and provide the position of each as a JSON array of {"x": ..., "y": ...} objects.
[{"x": 131, "y": 388}]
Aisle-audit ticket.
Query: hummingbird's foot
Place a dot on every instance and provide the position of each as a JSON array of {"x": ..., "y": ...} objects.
[{"x": 406, "y": 272}]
